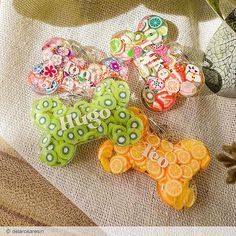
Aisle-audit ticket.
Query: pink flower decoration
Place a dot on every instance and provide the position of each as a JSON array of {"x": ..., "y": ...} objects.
[
  {"x": 115, "y": 66},
  {"x": 56, "y": 60},
  {"x": 47, "y": 54},
  {"x": 63, "y": 51},
  {"x": 49, "y": 71}
]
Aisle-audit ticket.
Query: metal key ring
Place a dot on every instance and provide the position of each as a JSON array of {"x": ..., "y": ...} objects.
[{"x": 164, "y": 132}]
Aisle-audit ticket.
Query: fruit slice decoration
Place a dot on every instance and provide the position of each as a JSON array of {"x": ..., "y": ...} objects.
[
  {"x": 163, "y": 101},
  {"x": 172, "y": 86},
  {"x": 185, "y": 159},
  {"x": 155, "y": 22}
]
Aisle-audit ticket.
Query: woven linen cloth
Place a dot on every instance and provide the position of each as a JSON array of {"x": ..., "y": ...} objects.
[{"x": 130, "y": 198}]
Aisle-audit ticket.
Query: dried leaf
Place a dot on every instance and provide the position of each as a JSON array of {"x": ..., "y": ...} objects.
[
  {"x": 214, "y": 4},
  {"x": 229, "y": 161},
  {"x": 223, "y": 158},
  {"x": 231, "y": 176},
  {"x": 227, "y": 148},
  {"x": 229, "y": 164},
  {"x": 233, "y": 155}
]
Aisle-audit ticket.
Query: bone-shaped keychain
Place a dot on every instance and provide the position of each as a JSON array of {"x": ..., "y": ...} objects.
[
  {"x": 69, "y": 67},
  {"x": 66, "y": 126},
  {"x": 171, "y": 165},
  {"x": 164, "y": 68}
]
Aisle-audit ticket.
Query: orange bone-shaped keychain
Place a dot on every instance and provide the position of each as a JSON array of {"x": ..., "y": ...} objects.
[{"x": 172, "y": 165}]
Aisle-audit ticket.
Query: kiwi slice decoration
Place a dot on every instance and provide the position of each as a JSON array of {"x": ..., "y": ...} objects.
[
  {"x": 107, "y": 83},
  {"x": 56, "y": 103},
  {"x": 42, "y": 121},
  {"x": 100, "y": 89},
  {"x": 134, "y": 135},
  {"x": 80, "y": 132},
  {"x": 108, "y": 101},
  {"x": 121, "y": 139},
  {"x": 134, "y": 123},
  {"x": 85, "y": 108},
  {"x": 122, "y": 115},
  {"x": 117, "y": 129},
  {"x": 58, "y": 134},
  {"x": 110, "y": 128},
  {"x": 104, "y": 115},
  {"x": 91, "y": 135},
  {"x": 73, "y": 112},
  {"x": 52, "y": 145},
  {"x": 45, "y": 104},
  {"x": 110, "y": 120},
  {"x": 59, "y": 112},
  {"x": 45, "y": 140},
  {"x": 122, "y": 85},
  {"x": 78, "y": 104},
  {"x": 102, "y": 129},
  {"x": 65, "y": 151},
  {"x": 54, "y": 124},
  {"x": 70, "y": 136},
  {"x": 35, "y": 109},
  {"x": 48, "y": 157}
]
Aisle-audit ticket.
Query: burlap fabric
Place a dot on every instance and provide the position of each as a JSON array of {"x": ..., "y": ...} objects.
[
  {"x": 128, "y": 199},
  {"x": 26, "y": 198}
]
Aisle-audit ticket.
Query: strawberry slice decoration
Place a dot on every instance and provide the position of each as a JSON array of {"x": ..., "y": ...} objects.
[{"x": 137, "y": 51}]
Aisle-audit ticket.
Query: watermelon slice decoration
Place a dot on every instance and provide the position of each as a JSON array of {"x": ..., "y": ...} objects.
[{"x": 163, "y": 101}]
